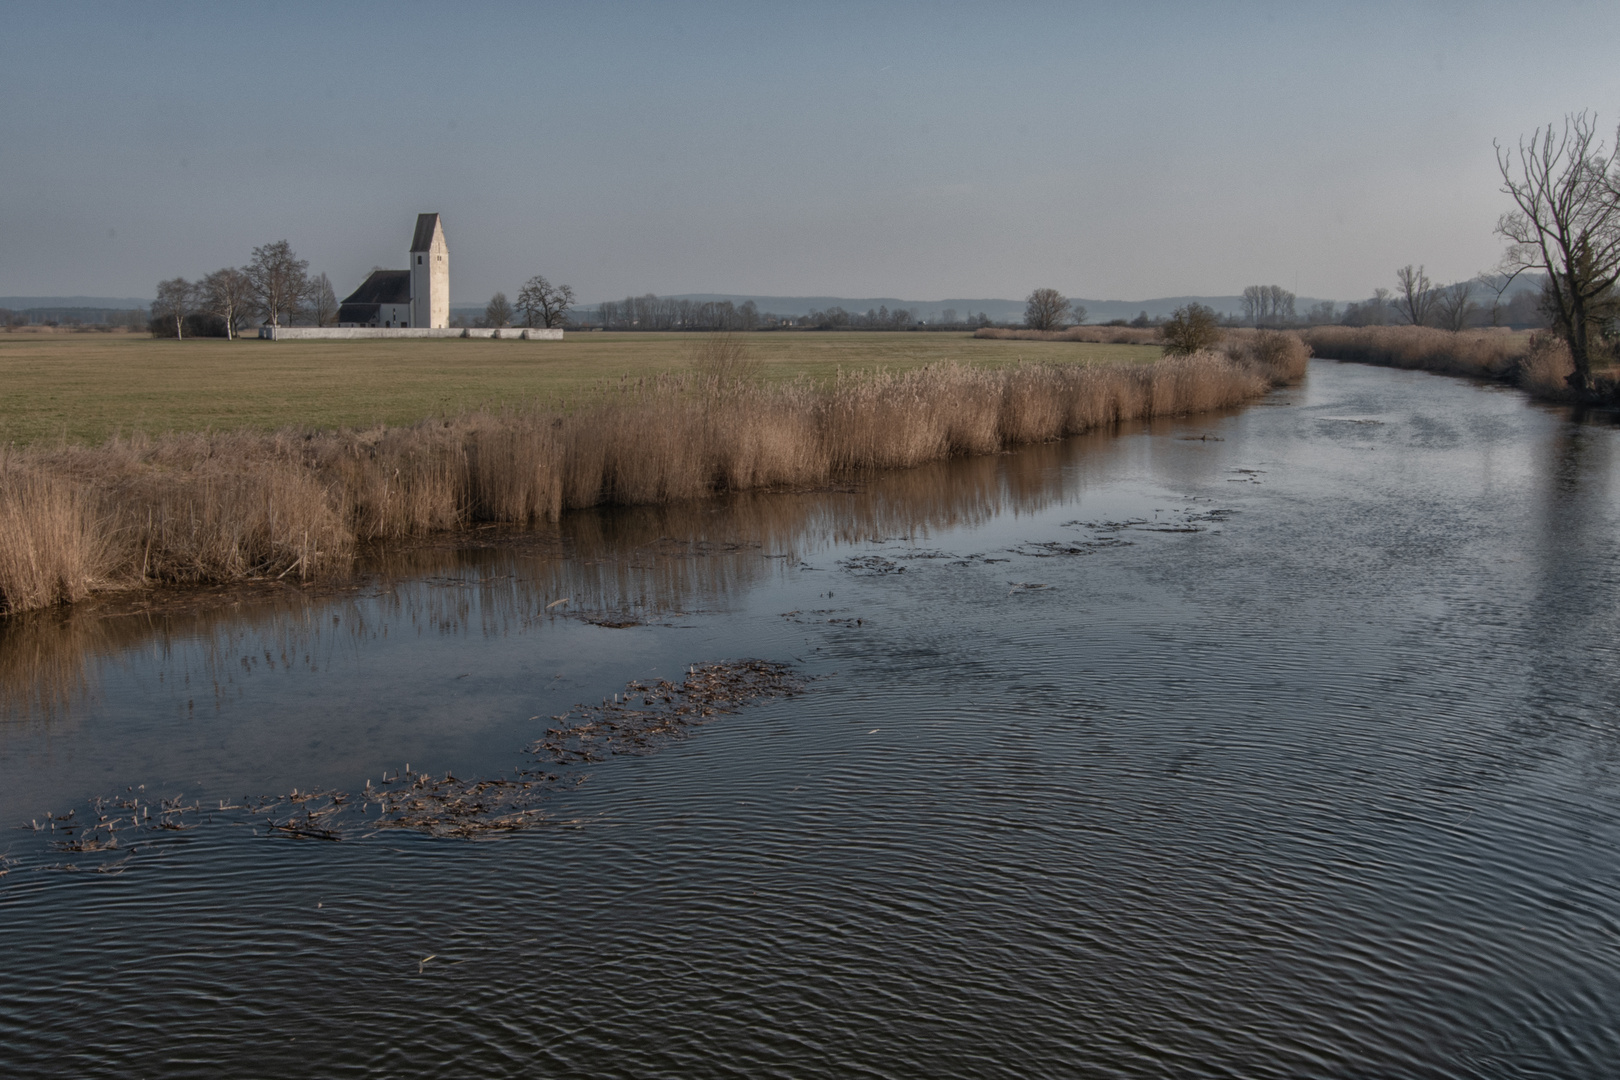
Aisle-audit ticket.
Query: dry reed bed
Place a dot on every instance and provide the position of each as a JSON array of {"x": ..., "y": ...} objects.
[
  {"x": 226, "y": 507},
  {"x": 1539, "y": 364}
]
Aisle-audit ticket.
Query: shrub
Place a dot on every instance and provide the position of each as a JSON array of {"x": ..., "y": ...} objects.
[{"x": 1190, "y": 329}]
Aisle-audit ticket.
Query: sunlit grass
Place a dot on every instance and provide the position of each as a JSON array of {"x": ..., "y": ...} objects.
[{"x": 83, "y": 388}]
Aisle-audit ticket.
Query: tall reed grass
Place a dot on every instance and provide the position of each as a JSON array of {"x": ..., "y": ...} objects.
[
  {"x": 226, "y": 507},
  {"x": 1481, "y": 354}
]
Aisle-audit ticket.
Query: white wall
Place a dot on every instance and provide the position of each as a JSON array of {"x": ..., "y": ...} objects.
[{"x": 350, "y": 333}]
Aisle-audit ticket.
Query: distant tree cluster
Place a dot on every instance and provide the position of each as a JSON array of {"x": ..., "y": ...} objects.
[
  {"x": 881, "y": 318},
  {"x": 81, "y": 319},
  {"x": 1268, "y": 305},
  {"x": 651, "y": 312},
  {"x": 275, "y": 287}
]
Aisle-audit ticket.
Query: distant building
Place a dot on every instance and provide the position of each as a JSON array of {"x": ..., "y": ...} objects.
[{"x": 414, "y": 298}]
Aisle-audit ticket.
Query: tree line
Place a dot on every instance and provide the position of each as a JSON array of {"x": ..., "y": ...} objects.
[
  {"x": 274, "y": 287},
  {"x": 667, "y": 313},
  {"x": 539, "y": 303},
  {"x": 85, "y": 319}
]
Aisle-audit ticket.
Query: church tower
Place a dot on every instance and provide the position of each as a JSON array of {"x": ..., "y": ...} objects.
[{"x": 430, "y": 273}]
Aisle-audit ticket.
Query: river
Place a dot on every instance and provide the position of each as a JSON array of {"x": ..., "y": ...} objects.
[{"x": 1279, "y": 743}]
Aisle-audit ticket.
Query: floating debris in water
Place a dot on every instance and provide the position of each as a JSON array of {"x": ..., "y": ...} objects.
[
  {"x": 1105, "y": 533},
  {"x": 1053, "y": 548},
  {"x": 870, "y": 565},
  {"x": 636, "y": 721},
  {"x": 664, "y": 710}
]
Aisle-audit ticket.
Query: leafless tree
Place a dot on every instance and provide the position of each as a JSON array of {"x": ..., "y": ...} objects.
[
  {"x": 1454, "y": 306},
  {"x": 1254, "y": 300},
  {"x": 498, "y": 312},
  {"x": 1566, "y": 186},
  {"x": 1323, "y": 314},
  {"x": 1045, "y": 309},
  {"x": 1415, "y": 295},
  {"x": 1268, "y": 305},
  {"x": 1190, "y": 329},
  {"x": 544, "y": 304},
  {"x": 280, "y": 280},
  {"x": 175, "y": 300},
  {"x": 321, "y": 300},
  {"x": 228, "y": 294}
]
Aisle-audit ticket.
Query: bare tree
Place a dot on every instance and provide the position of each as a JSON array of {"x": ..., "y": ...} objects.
[
  {"x": 1567, "y": 190},
  {"x": 280, "y": 280},
  {"x": 1045, "y": 309},
  {"x": 1454, "y": 306},
  {"x": 1254, "y": 304},
  {"x": 175, "y": 300},
  {"x": 543, "y": 304},
  {"x": 1190, "y": 329},
  {"x": 228, "y": 294},
  {"x": 322, "y": 301},
  {"x": 498, "y": 312},
  {"x": 1268, "y": 305},
  {"x": 1416, "y": 295}
]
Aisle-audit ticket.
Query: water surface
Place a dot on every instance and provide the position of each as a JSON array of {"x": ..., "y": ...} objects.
[{"x": 1273, "y": 744}]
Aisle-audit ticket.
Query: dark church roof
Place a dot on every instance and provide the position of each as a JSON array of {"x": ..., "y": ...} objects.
[
  {"x": 383, "y": 287},
  {"x": 424, "y": 232}
]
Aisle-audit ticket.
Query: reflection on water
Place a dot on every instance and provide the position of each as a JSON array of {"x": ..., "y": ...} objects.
[
  {"x": 1277, "y": 744},
  {"x": 614, "y": 566}
]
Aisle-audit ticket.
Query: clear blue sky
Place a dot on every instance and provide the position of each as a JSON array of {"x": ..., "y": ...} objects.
[{"x": 913, "y": 150}]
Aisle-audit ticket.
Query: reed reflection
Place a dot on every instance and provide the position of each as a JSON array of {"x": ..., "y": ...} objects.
[{"x": 613, "y": 566}]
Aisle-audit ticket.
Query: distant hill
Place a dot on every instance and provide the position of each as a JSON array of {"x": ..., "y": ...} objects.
[{"x": 118, "y": 303}]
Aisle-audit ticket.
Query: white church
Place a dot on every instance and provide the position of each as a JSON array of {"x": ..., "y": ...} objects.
[
  {"x": 414, "y": 298},
  {"x": 411, "y": 303}
]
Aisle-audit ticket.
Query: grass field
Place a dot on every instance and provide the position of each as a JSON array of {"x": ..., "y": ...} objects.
[{"x": 83, "y": 388}]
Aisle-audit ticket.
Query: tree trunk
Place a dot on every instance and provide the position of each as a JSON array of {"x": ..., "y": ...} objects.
[{"x": 1580, "y": 380}]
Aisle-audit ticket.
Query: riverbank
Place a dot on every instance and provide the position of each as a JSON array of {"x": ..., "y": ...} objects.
[
  {"x": 208, "y": 508},
  {"x": 1538, "y": 363}
]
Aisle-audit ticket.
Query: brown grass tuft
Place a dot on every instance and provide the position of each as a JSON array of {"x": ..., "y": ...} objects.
[
  {"x": 1545, "y": 369},
  {"x": 53, "y": 543}
]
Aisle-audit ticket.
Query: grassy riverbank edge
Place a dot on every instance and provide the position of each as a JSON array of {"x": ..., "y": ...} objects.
[
  {"x": 1537, "y": 363},
  {"x": 219, "y": 507}
]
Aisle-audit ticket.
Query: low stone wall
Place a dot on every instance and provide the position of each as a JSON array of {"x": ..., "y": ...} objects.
[{"x": 355, "y": 333}]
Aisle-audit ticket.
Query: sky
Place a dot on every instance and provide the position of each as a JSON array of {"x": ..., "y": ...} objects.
[{"x": 921, "y": 151}]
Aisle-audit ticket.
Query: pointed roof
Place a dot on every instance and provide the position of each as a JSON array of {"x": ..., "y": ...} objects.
[
  {"x": 426, "y": 226},
  {"x": 383, "y": 287}
]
